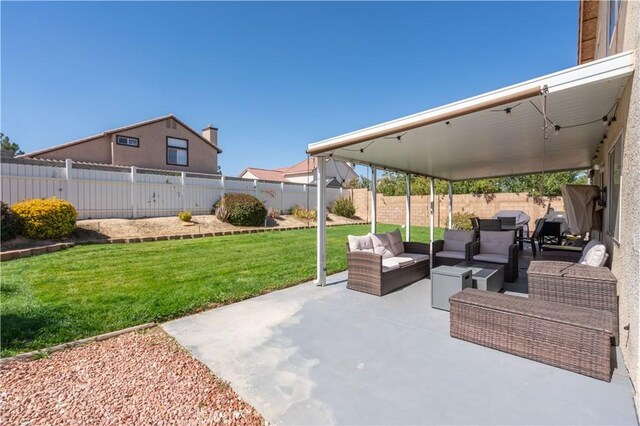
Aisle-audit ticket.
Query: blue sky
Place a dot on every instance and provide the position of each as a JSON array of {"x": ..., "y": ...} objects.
[{"x": 272, "y": 76}]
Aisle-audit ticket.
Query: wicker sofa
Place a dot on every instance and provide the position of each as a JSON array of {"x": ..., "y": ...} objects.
[{"x": 371, "y": 270}]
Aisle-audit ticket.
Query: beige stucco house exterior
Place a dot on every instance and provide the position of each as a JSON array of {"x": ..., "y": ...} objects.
[
  {"x": 161, "y": 143},
  {"x": 306, "y": 171},
  {"x": 607, "y": 28}
]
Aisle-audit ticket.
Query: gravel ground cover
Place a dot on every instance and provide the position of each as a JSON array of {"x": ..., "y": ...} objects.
[{"x": 139, "y": 378}]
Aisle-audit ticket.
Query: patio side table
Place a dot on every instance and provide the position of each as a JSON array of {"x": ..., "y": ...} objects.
[
  {"x": 447, "y": 281},
  {"x": 485, "y": 276}
]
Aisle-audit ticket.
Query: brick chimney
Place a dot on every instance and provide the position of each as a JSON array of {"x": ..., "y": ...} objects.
[{"x": 210, "y": 133}]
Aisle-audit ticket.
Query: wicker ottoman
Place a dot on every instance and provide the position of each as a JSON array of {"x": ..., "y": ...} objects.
[
  {"x": 575, "y": 284},
  {"x": 565, "y": 336}
]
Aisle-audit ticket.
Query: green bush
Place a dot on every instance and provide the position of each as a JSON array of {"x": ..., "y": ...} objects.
[
  {"x": 185, "y": 216},
  {"x": 10, "y": 223},
  {"x": 343, "y": 207},
  {"x": 462, "y": 220},
  {"x": 241, "y": 210},
  {"x": 302, "y": 213},
  {"x": 44, "y": 218}
]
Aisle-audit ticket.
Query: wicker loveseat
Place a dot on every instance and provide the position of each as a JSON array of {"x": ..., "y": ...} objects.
[{"x": 378, "y": 269}]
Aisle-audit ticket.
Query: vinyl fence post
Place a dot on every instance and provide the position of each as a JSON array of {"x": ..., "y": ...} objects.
[
  {"x": 183, "y": 178},
  {"x": 255, "y": 187},
  {"x": 306, "y": 193},
  {"x": 222, "y": 189},
  {"x": 281, "y": 197},
  {"x": 134, "y": 204},
  {"x": 68, "y": 166}
]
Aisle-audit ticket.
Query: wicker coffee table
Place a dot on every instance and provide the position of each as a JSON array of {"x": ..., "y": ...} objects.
[{"x": 486, "y": 276}]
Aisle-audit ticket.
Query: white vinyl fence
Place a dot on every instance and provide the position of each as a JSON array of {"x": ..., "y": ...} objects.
[{"x": 99, "y": 191}]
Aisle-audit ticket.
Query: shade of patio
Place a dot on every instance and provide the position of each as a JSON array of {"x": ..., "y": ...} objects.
[{"x": 306, "y": 355}]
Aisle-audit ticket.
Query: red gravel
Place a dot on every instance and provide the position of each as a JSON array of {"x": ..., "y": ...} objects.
[{"x": 134, "y": 379}]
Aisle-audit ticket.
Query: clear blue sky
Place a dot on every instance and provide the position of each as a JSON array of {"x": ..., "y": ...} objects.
[{"x": 272, "y": 76}]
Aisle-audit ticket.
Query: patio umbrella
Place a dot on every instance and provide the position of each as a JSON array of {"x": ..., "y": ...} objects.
[{"x": 579, "y": 207}]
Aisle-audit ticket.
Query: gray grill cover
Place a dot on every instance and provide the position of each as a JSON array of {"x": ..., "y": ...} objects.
[
  {"x": 579, "y": 206},
  {"x": 521, "y": 217}
]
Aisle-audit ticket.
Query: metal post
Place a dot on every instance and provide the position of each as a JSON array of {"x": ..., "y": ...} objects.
[
  {"x": 322, "y": 223},
  {"x": 373, "y": 199},
  {"x": 431, "y": 221},
  {"x": 450, "y": 205},
  {"x": 407, "y": 210},
  {"x": 134, "y": 204}
]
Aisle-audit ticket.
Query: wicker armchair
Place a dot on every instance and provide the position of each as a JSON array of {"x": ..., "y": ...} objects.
[
  {"x": 454, "y": 248},
  {"x": 367, "y": 274},
  {"x": 502, "y": 253}
]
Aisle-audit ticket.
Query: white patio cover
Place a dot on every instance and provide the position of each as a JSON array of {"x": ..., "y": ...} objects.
[{"x": 579, "y": 206}]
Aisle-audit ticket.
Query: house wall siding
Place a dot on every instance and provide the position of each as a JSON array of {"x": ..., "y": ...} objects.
[{"x": 625, "y": 253}]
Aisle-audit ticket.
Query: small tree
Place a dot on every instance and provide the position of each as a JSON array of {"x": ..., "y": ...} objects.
[{"x": 7, "y": 145}]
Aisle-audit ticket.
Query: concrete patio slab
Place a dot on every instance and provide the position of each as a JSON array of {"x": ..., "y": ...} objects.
[{"x": 309, "y": 355}]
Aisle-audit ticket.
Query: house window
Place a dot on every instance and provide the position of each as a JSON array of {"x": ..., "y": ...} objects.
[
  {"x": 613, "y": 192},
  {"x": 177, "y": 152},
  {"x": 614, "y": 9},
  {"x": 127, "y": 141}
]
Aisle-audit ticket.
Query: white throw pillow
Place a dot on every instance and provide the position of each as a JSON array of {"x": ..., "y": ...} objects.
[
  {"x": 395, "y": 242},
  {"x": 382, "y": 245},
  {"x": 362, "y": 243},
  {"x": 596, "y": 255}
]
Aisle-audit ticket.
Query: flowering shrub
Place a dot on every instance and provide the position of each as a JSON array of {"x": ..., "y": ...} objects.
[{"x": 44, "y": 218}]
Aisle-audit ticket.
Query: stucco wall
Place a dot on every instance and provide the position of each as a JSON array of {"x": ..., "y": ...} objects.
[
  {"x": 392, "y": 209},
  {"x": 625, "y": 254},
  {"x": 151, "y": 153}
]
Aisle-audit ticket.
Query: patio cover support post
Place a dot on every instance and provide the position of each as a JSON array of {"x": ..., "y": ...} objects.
[
  {"x": 373, "y": 199},
  {"x": 321, "y": 273},
  {"x": 407, "y": 210},
  {"x": 431, "y": 220},
  {"x": 450, "y": 205}
]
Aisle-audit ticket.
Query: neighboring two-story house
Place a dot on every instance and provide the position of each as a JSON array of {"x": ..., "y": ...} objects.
[
  {"x": 161, "y": 143},
  {"x": 339, "y": 173}
]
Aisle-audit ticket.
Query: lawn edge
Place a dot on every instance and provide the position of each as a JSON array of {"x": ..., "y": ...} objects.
[{"x": 29, "y": 356}]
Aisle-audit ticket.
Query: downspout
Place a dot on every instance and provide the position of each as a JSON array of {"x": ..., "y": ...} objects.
[{"x": 113, "y": 147}]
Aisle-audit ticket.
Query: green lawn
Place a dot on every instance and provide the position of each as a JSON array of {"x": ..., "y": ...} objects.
[{"x": 94, "y": 289}]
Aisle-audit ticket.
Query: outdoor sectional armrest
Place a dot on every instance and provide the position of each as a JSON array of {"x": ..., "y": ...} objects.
[
  {"x": 561, "y": 256},
  {"x": 513, "y": 252},
  {"x": 361, "y": 259},
  {"x": 438, "y": 245},
  {"x": 468, "y": 250},
  {"x": 413, "y": 247}
]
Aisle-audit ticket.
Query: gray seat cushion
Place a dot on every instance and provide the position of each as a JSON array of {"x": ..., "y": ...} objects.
[
  {"x": 416, "y": 257},
  {"x": 456, "y": 240},
  {"x": 389, "y": 265},
  {"x": 401, "y": 260},
  {"x": 451, "y": 254},
  {"x": 492, "y": 258},
  {"x": 496, "y": 242},
  {"x": 363, "y": 243}
]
